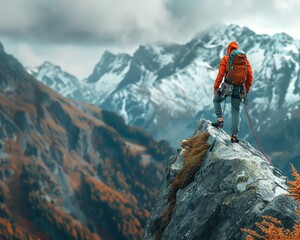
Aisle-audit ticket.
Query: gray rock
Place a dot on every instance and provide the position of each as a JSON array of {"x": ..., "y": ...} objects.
[{"x": 235, "y": 187}]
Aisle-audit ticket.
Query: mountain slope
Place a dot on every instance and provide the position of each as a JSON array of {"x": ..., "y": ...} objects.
[
  {"x": 111, "y": 70},
  {"x": 232, "y": 189},
  {"x": 66, "y": 170}
]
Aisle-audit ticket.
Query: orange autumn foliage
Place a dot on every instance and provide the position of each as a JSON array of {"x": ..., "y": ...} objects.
[
  {"x": 119, "y": 213},
  {"x": 58, "y": 219},
  {"x": 8, "y": 232},
  {"x": 195, "y": 149},
  {"x": 6, "y": 226},
  {"x": 272, "y": 228},
  {"x": 294, "y": 189}
]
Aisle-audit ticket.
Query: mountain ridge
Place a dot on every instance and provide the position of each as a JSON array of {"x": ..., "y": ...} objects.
[{"x": 170, "y": 86}]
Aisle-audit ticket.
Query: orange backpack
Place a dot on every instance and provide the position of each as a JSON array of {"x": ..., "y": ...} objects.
[{"x": 237, "y": 68}]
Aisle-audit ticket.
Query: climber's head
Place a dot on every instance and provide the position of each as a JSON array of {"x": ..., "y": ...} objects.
[{"x": 232, "y": 46}]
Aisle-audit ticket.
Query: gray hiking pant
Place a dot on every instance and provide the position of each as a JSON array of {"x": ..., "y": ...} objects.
[{"x": 235, "y": 111}]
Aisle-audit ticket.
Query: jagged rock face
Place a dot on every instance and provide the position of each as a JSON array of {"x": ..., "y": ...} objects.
[
  {"x": 70, "y": 170},
  {"x": 232, "y": 190}
]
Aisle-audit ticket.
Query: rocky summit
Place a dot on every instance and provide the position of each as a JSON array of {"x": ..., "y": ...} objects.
[{"x": 234, "y": 187}]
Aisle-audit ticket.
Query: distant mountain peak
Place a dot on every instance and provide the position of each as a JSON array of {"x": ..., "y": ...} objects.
[
  {"x": 282, "y": 37},
  {"x": 109, "y": 62},
  {"x": 108, "y": 56},
  {"x": 225, "y": 31},
  {"x": 48, "y": 64}
]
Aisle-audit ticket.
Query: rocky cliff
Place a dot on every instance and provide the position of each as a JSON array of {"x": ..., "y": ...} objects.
[{"x": 234, "y": 187}]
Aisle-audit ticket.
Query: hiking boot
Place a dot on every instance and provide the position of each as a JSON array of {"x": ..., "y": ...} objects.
[
  {"x": 218, "y": 124},
  {"x": 234, "y": 139}
]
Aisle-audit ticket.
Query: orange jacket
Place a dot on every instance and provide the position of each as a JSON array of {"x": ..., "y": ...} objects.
[{"x": 223, "y": 69}]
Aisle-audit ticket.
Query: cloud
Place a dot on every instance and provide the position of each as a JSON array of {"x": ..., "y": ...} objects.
[
  {"x": 131, "y": 22},
  {"x": 74, "y": 33},
  {"x": 275, "y": 15},
  {"x": 90, "y": 21},
  {"x": 27, "y": 54}
]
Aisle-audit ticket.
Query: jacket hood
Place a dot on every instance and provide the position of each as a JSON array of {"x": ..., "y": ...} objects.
[{"x": 232, "y": 46}]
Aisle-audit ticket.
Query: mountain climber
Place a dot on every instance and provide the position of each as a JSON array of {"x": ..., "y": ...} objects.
[{"x": 238, "y": 80}]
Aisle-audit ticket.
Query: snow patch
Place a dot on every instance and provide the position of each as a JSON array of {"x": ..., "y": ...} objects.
[
  {"x": 280, "y": 191},
  {"x": 108, "y": 83},
  {"x": 256, "y": 57},
  {"x": 291, "y": 48},
  {"x": 261, "y": 104},
  {"x": 188, "y": 90},
  {"x": 162, "y": 57},
  {"x": 290, "y": 96},
  {"x": 278, "y": 59},
  {"x": 123, "y": 111}
]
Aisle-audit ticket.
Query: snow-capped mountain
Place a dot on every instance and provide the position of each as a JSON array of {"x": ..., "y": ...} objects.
[
  {"x": 111, "y": 70},
  {"x": 163, "y": 88},
  {"x": 62, "y": 82}
]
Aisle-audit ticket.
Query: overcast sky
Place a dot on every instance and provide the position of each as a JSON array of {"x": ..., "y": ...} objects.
[{"x": 74, "y": 33}]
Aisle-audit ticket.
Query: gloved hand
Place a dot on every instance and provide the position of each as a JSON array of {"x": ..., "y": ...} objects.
[
  {"x": 219, "y": 92},
  {"x": 216, "y": 94}
]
